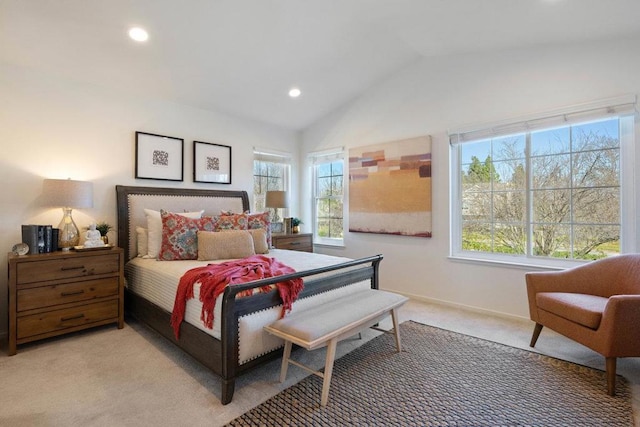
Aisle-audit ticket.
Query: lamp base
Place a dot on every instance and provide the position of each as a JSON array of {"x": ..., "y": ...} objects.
[{"x": 69, "y": 235}]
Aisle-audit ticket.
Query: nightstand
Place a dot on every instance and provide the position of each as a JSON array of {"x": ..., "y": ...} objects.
[
  {"x": 294, "y": 242},
  {"x": 57, "y": 293}
]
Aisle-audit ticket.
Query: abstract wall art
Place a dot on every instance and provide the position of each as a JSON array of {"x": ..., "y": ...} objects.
[{"x": 390, "y": 188}]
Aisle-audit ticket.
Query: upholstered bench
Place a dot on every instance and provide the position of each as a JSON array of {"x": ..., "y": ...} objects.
[{"x": 330, "y": 323}]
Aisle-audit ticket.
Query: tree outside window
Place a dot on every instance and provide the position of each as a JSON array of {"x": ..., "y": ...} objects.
[{"x": 547, "y": 193}]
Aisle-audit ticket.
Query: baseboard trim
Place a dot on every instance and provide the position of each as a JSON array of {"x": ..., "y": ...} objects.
[{"x": 465, "y": 307}]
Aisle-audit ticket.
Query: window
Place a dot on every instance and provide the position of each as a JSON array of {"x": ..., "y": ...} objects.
[
  {"x": 270, "y": 172},
  {"x": 551, "y": 192},
  {"x": 328, "y": 190}
]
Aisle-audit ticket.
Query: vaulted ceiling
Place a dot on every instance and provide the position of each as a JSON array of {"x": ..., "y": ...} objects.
[{"x": 243, "y": 56}]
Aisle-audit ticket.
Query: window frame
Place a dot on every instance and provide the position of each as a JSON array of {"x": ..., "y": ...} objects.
[
  {"x": 318, "y": 159},
  {"x": 275, "y": 158},
  {"x": 624, "y": 110}
]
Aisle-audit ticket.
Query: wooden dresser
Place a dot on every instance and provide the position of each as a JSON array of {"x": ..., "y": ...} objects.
[
  {"x": 294, "y": 242},
  {"x": 57, "y": 293}
]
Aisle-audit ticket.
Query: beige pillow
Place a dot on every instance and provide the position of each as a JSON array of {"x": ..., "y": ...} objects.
[
  {"x": 260, "y": 244},
  {"x": 228, "y": 244}
]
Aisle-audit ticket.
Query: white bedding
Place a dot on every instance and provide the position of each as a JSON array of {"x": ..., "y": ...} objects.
[{"x": 157, "y": 282}]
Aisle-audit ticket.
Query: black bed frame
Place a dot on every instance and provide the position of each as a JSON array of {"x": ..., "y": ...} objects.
[{"x": 221, "y": 356}]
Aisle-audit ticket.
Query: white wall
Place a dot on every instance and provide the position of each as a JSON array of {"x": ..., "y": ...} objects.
[
  {"x": 53, "y": 128},
  {"x": 438, "y": 94}
]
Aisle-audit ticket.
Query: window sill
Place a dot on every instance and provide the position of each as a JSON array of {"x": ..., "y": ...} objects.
[
  {"x": 520, "y": 263},
  {"x": 329, "y": 244}
]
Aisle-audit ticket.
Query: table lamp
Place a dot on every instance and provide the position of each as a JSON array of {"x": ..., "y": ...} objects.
[
  {"x": 276, "y": 200},
  {"x": 67, "y": 194}
]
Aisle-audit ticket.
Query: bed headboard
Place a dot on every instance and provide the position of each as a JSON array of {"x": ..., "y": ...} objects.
[{"x": 132, "y": 201}]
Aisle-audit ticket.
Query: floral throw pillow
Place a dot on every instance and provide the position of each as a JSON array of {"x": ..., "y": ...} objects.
[
  {"x": 229, "y": 221},
  {"x": 180, "y": 235},
  {"x": 260, "y": 220}
]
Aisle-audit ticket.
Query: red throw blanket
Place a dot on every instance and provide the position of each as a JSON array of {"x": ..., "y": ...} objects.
[{"x": 214, "y": 278}]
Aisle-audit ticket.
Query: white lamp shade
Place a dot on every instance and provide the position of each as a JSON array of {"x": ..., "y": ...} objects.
[
  {"x": 276, "y": 199},
  {"x": 67, "y": 193}
]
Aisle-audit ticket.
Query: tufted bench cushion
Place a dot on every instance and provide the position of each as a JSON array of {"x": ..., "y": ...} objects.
[{"x": 583, "y": 309}]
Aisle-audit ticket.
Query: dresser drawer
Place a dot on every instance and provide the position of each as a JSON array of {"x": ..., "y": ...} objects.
[
  {"x": 67, "y": 268},
  {"x": 52, "y": 295},
  {"x": 56, "y": 320},
  {"x": 296, "y": 243}
]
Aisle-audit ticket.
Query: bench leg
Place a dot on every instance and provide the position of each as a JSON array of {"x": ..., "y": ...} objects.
[
  {"x": 328, "y": 370},
  {"x": 396, "y": 328},
  {"x": 285, "y": 360}
]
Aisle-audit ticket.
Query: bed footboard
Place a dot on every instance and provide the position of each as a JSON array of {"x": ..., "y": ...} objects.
[{"x": 316, "y": 281}]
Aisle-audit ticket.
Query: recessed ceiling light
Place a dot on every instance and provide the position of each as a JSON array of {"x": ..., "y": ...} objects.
[
  {"x": 294, "y": 92},
  {"x": 138, "y": 34}
]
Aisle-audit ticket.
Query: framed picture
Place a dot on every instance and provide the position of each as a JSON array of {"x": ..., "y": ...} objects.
[
  {"x": 277, "y": 227},
  {"x": 376, "y": 172},
  {"x": 159, "y": 157},
  {"x": 211, "y": 163}
]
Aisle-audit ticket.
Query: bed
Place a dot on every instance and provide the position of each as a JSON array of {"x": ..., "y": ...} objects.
[{"x": 220, "y": 349}]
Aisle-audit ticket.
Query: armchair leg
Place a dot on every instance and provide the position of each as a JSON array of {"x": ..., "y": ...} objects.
[
  {"x": 536, "y": 334},
  {"x": 611, "y": 375}
]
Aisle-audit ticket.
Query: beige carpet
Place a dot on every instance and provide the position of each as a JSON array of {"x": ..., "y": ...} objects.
[
  {"x": 132, "y": 377},
  {"x": 442, "y": 378},
  {"x": 127, "y": 377}
]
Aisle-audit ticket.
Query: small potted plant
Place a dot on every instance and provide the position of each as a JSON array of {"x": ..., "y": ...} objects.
[
  {"x": 104, "y": 228},
  {"x": 295, "y": 225}
]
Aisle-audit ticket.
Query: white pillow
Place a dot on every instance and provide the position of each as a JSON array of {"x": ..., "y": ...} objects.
[
  {"x": 154, "y": 229},
  {"x": 141, "y": 239}
]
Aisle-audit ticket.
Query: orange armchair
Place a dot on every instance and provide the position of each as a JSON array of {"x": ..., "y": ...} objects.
[{"x": 596, "y": 304}]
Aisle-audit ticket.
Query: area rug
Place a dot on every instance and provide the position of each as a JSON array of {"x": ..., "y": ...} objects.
[{"x": 443, "y": 378}]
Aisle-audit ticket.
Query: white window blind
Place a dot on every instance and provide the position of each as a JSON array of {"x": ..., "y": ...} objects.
[{"x": 619, "y": 106}]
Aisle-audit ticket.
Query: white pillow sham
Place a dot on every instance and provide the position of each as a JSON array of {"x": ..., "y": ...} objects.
[{"x": 142, "y": 238}]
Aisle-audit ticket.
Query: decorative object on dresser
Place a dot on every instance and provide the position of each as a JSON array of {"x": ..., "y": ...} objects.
[
  {"x": 294, "y": 242},
  {"x": 57, "y": 293},
  {"x": 104, "y": 228},
  {"x": 211, "y": 163},
  {"x": 20, "y": 249},
  {"x": 67, "y": 194},
  {"x": 287, "y": 225},
  {"x": 295, "y": 225},
  {"x": 159, "y": 157},
  {"x": 40, "y": 238}
]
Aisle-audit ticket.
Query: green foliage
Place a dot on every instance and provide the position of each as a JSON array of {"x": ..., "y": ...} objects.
[
  {"x": 481, "y": 172},
  {"x": 103, "y": 228},
  {"x": 296, "y": 222}
]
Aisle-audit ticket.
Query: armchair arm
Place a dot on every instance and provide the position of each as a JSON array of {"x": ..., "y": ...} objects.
[
  {"x": 551, "y": 281},
  {"x": 620, "y": 327}
]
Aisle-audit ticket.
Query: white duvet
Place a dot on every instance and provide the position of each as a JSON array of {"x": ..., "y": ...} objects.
[{"x": 157, "y": 282}]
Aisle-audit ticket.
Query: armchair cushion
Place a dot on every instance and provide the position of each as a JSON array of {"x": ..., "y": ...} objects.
[{"x": 583, "y": 309}]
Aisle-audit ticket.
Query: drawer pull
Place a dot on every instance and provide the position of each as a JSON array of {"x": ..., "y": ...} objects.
[
  {"x": 294, "y": 243},
  {"x": 68, "y": 294},
  {"x": 78, "y": 316},
  {"x": 71, "y": 268}
]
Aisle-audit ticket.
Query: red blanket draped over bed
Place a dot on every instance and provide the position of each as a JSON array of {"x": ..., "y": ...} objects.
[{"x": 214, "y": 278}]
